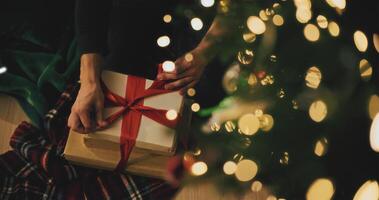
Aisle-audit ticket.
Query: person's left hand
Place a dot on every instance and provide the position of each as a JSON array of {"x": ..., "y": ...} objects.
[{"x": 188, "y": 70}]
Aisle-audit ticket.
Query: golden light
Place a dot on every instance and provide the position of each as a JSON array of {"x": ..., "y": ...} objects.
[
  {"x": 191, "y": 92},
  {"x": 334, "y": 29},
  {"x": 256, "y": 25},
  {"x": 207, "y": 3},
  {"x": 360, "y": 41},
  {"x": 196, "y": 24},
  {"x": 311, "y": 33},
  {"x": 321, "y": 147},
  {"x": 303, "y": 15},
  {"x": 195, "y": 107},
  {"x": 263, "y": 16},
  {"x": 340, "y": 4},
  {"x": 229, "y": 126},
  {"x": 246, "y": 170},
  {"x": 256, "y": 186},
  {"x": 278, "y": 20},
  {"x": 199, "y": 168},
  {"x": 163, "y": 41},
  {"x": 167, "y": 18},
  {"x": 266, "y": 122},
  {"x": 322, "y": 22},
  {"x": 245, "y": 57},
  {"x": 168, "y": 66},
  {"x": 230, "y": 167},
  {"x": 374, "y": 134},
  {"x": 249, "y": 37},
  {"x": 284, "y": 159},
  {"x": 215, "y": 127},
  {"x": 375, "y": 40},
  {"x": 271, "y": 197},
  {"x": 248, "y": 124},
  {"x": 313, "y": 77},
  {"x": 188, "y": 57},
  {"x": 365, "y": 69},
  {"x": 321, "y": 189},
  {"x": 171, "y": 114},
  {"x": 373, "y": 106},
  {"x": 368, "y": 191},
  {"x": 252, "y": 80},
  {"x": 318, "y": 111},
  {"x": 294, "y": 105}
]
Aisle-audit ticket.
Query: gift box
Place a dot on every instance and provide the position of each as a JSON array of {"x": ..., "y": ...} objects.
[{"x": 144, "y": 123}]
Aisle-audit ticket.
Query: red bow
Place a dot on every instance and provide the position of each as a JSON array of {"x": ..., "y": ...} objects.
[{"x": 132, "y": 111}]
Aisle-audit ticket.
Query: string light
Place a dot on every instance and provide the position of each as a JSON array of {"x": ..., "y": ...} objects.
[
  {"x": 311, "y": 32},
  {"x": 318, "y": 111},
  {"x": 188, "y": 57},
  {"x": 168, "y": 66},
  {"x": 249, "y": 37},
  {"x": 266, "y": 122},
  {"x": 191, "y": 92},
  {"x": 245, "y": 57},
  {"x": 375, "y": 40},
  {"x": 321, "y": 189},
  {"x": 374, "y": 134},
  {"x": 368, "y": 191},
  {"x": 163, "y": 41},
  {"x": 256, "y": 25},
  {"x": 195, "y": 107},
  {"x": 360, "y": 41},
  {"x": 167, "y": 18},
  {"x": 197, "y": 24}
]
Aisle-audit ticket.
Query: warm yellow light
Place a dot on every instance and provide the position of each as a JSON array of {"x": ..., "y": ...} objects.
[
  {"x": 207, "y": 3},
  {"x": 341, "y": 4},
  {"x": 229, "y": 126},
  {"x": 373, "y": 106},
  {"x": 188, "y": 57},
  {"x": 215, "y": 127},
  {"x": 374, "y": 134},
  {"x": 171, "y": 114},
  {"x": 278, "y": 20},
  {"x": 360, "y": 41},
  {"x": 368, "y": 191},
  {"x": 252, "y": 80},
  {"x": 195, "y": 107},
  {"x": 365, "y": 69},
  {"x": 167, "y": 18},
  {"x": 246, "y": 170},
  {"x": 230, "y": 167},
  {"x": 256, "y": 186},
  {"x": 248, "y": 124},
  {"x": 313, "y": 77},
  {"x": 271, "y": 197},
  {"x": 322, "y": 22},
  {"x": 303, "y": 15},
  {"x": 245, "y": 57},
  {"x": 191, "y": 92},
  {"x": 196, "y": 24},
  {"x": 320, "y": 147},
  {"x": 281, "y": 93},
  {"x": 375, "y": 40},
  {"x": 266, "y": 122},
  {"x": 318, "y": 111},
  {"x": 321, "y": 189},
  {"x": 262, "y": 15},
  {"x": 333, "y": 29},
  {"x": 284, "y": 159},
  {"x": 249, "y": 37},
  {"x": 168, "y": 66},
  {"x": 311, "y": 33},
  {"x": 256, "y": 25},
  {"x": 163, "y": 41},
  {"x": 199, "y": 168}
]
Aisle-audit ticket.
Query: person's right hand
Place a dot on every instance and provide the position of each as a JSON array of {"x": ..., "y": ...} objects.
[{"x": 87, "y": 111}]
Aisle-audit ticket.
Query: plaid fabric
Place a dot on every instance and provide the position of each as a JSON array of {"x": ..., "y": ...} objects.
[{"x": 35, "y": 168}]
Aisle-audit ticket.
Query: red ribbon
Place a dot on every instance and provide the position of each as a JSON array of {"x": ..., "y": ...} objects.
[{"x": 132, "y": 111}]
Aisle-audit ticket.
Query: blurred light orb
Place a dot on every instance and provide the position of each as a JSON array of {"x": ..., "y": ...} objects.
[
  {"x": 313, "y": 77},
  {"x": 256, "y": 25},
  {"x": 271, "y": 197},
  {"x": 191, "y": 92},
  {"x": 334, "y": 29},
  {"x": 197, "y": 24},
  {"x": 373, "y": 106},
  {"x": 303, "y": 15},
  {"x": 246, "y": 170},
  {"x": 266, "y": 122},
  {"x": 311, "y": 32},
  {"x": 252, "y": 80},
  {"x": 231, "y": 77},
  {"x": 167, "y": 18},
  {"x": 171, "y": 114},
  {"x": 263, "y": 16},
  {"x": 229, "y": 126},
  {"x": 321, "y": 189},
  {"x": 281, "y": 93},
  {"x": 249, "y": 124},
  {"x": 195, "y": 107},
  {"x": 256, "y": 186},
  {"x": 163, "y": 41},
  {"x": 360, "y": 41},
  {"x": 188, "y": 57},
  {"x": 318, "y": 111},
  {"x": 3, "y": 69},
  {"x": 229, "y": 167},
  {"x": 340, "y": 4},
  {"x": 368, "y": 191},
  {"x": 215, "y": 127},
  {"x": 322, "y": 22},
  {"x": 207, "y": 3},
  {"x": 168, "y": 66},
  {"x": 365, "y": 69},
  {"x": 199, "y": 168},
  {"x": 278, "y": 20},
  {"x": 375, "y": 40},
  {"x": 321, "y": 147},
  {"x": 245, "y": 57},
  {"x": 374, "y": 134},
  {"x": 284, "y": 160},
  {"x": 249, "y": 37}
]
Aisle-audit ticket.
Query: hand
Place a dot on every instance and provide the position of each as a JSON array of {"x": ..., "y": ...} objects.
[{"x": 188, "y": 70}]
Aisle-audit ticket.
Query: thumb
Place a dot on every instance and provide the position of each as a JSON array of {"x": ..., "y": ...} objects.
[{"x": 99, "y": 116}]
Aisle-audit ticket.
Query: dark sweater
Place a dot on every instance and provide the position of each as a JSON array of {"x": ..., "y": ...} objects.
[{"x": 126, "y": 32}]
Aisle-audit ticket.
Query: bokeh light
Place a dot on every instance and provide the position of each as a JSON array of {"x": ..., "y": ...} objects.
[
  {"x": 313, "y": 77},
  {"x": 311, "y": 32},
  {"x": 365, "y": 69},
  {"x": 245, "y": 57},
  {"x": 249, "y": 37},
  {"x": 374, "y": 134},
  {"x": 171, "y": 114},
  {"x": 191, "y": 92},
  {"x": 168, "y": 66},
  {"x": 263, "y": 16},
  {"x": 375, "y": 40},
  {"x": 360, "y": 41},
  {"x": 163, "y": 41},
  {"x": 368, "y": 191},
  {"x": 334, "y": 29},
  {"x": 321, "y": 189},
  {"x": 318, "y": 111},
  {"x": 207, "y": 3},
  {"x": 278, "y": 20},
  {"x": 321, "y": 147},
  {"x": 197, "y": 24},
  {"x": 256, "y": 186},
  {"x": 256, "y": 25},
  {"x": 249, "y": 124},
  {"x": 229, "y": 167},
  {"x": 195, "y": 107},
  {"x": 246, "y": 170},
  {"x": 322, "y": 22},
  {"x": 167, "y": 18},
  {"x": 199, "y": 168}
]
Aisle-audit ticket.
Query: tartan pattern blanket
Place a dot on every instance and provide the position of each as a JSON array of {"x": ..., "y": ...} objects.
[{"x": 36, "y": 169}]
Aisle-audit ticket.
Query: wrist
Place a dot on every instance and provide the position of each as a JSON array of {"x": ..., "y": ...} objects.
[{"x": 90, "y": 68}]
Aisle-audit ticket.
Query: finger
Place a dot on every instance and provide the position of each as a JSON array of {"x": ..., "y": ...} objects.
[
  {"x": 183, "y": 91},
  {"x": 181, "y": 65},
  {"x": 171, "y": 76},
  {"x": 86, "y": 120},
  {"x": 179, "y": 83},
  {"x": 99, "y": 117},
  {"x": 74, "y": 123}
]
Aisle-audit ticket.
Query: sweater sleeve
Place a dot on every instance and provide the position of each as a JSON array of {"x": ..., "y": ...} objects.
[{"x": 91, "y": 23}]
